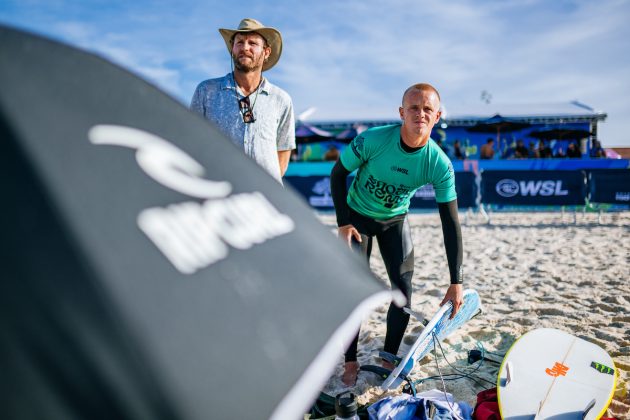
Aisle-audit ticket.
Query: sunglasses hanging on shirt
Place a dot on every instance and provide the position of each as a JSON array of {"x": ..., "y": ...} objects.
[
  {"x": 244, "y": 105},
  {"x": 247, "y": 111}
]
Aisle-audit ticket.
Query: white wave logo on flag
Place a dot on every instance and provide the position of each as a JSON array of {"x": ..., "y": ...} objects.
[{"x": 194, "y": 235}]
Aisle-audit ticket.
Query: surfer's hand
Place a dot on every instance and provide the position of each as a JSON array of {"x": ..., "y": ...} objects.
[
  {"x": 454, "y": 293},
  {"x": 347, "y": 232}
]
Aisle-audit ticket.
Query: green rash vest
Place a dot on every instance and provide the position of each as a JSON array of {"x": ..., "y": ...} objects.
[{"x": 388, "y": 176}]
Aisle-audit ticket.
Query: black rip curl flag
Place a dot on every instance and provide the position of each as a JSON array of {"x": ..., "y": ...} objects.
[{"x": 150, "y": 270}]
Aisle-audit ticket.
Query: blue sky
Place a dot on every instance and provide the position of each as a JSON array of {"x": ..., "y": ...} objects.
[{"x": 353, "y": 59}]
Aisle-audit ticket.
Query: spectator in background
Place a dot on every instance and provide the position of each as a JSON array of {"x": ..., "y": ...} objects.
[
  {"x": 560, "y": 154},
  {"x": 597, "y": 151},
  {"x": 573, "y": 151},
  {"x": 487, "y": 150},
  {"x": 458, "y": 153},
  {"x": 544, "y": 151},
  {"x": 332, "y": 154},
  {"x": 508, "y": 151},
  {"x": 533, "y": 151},
  {"x": 521, "y": 152},
  {"x": 444, "y": 147}
]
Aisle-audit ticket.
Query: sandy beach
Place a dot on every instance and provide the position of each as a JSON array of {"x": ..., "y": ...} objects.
[{"x": 532, "y": 270}]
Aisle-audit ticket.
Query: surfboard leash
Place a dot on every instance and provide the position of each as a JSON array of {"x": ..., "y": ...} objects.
[
  {"x": 437, "y": 364},
  {"x": 464, "y": 373},
  {"x": 451, "y": 376}
]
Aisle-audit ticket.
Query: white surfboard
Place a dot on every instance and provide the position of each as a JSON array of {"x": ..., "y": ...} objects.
[{"x": 550, "y": 374}]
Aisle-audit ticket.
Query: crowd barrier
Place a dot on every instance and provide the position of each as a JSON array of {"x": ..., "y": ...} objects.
[{"x": 502, "y": 187}]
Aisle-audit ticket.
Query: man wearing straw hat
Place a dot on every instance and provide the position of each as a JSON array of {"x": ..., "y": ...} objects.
[{"x": 256, "y": 115}]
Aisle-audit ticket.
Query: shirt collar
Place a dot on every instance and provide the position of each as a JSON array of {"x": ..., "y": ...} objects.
[{"x": 229, "y": 84}]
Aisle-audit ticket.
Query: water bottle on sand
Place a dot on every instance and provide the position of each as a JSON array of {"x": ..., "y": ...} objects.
[{"x": 346, "y": 406}]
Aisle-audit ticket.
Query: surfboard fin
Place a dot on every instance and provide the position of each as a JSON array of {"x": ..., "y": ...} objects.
[
  {"x": 417, "y": 315},
  {"x": 509, "y": 373},
  {"x": 479, "y": 312},
  {"x": 588, "y": 408}
]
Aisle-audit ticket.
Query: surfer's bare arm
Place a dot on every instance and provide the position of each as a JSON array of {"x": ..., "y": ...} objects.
[
  {"x": 284, "y": 156},
  {"x": 339, "y": 193},
  {"x": 452, "y": 232}
]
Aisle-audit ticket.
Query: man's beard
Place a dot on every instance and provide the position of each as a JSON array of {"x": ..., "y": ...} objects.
[{"x": 245, "y": 68}]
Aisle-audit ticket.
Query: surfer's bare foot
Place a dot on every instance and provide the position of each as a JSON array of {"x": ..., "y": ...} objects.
[
  {"x": 350, "y": 372},
  {"x": 388, "y": 365}
]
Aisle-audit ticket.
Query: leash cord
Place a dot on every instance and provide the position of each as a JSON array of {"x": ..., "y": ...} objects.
[{"x": 435, "y": 339}]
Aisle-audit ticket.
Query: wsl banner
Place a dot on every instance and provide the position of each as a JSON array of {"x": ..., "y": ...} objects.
[
  {"x": 540, "y": 188},
  {"x": 609, "y": 186},
  {"x": 316, "y": 191},
  {"x": 465, "y": 185}
]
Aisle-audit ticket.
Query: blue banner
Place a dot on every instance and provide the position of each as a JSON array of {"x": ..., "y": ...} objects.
[
  {"x": 465, "y": 186},
  {"x": 609, "y": 186},
  {"x": 540, "y": 188},
  {"x": 316, "y": 191}
]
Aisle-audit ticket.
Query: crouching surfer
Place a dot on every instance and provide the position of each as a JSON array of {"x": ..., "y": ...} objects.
[{"x": 392, "y": 162}]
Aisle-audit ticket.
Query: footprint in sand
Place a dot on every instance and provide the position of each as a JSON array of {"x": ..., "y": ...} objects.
[
  {"x": 551, "y": 311},
  {"x": 607, "y": 308}
]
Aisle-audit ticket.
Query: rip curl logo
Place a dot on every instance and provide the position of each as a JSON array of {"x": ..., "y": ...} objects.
[
  {"x": 357, "y": 146},
  {"x": 162, "y": 161},
  {"x": 389, "y": 195},
  {"x": 194, "y": 235},
  {"x": 323, "y": 197}
]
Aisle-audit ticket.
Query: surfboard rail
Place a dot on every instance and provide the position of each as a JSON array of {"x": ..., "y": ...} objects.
[{"x": 439, "y": 326}]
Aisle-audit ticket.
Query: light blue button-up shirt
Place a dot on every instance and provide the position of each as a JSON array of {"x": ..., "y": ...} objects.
[{"x": 273, "y": 130}]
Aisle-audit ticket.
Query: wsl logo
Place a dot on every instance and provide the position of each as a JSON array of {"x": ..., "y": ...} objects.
[
  {"x": 547, "y": 188},
  {"x": 400, "y": 170},
  {"x": 507, "y": 188}
]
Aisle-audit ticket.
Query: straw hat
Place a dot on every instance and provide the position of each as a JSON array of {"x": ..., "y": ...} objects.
[{"x": 271, "y": 35}]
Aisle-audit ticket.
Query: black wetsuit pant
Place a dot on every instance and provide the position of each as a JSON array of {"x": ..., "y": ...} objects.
[{"x": 396, "y": 247}]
